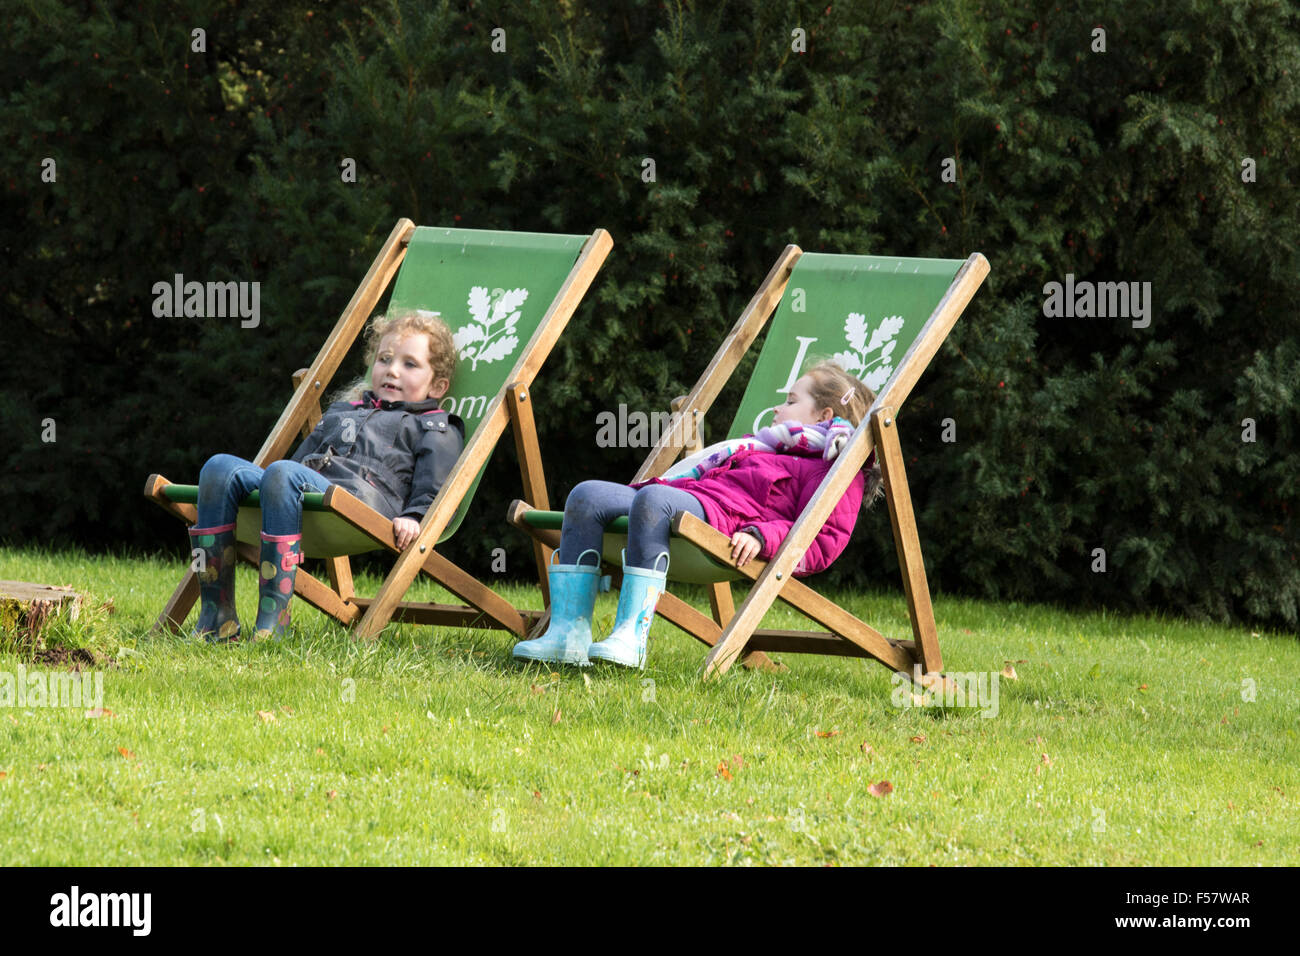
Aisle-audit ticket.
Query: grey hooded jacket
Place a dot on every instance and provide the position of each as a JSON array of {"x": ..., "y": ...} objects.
[{"x": 394, "y": 456}]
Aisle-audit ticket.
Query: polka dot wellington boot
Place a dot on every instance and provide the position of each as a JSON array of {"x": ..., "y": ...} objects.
[
  {"x": 278, "y": 567},
  {"x": 214, "y": 554}
]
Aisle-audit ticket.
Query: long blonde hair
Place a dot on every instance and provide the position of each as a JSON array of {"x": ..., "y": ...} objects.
[
  {"x": 442, "y": 347},
  {"x": 849, "y": 398}
]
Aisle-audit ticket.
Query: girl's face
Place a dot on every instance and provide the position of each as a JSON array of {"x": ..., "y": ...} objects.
[
  {"x": 799, "y": 408},
  {"x": 402, "y": 372}
]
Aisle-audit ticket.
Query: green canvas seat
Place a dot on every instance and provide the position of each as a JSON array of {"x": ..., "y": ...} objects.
[
  {"x": 506, "y": 297},
  {"x": 325, "y": 534},
  {"x": 882, "y": 318},
  {"x": 686, "y": 561}
]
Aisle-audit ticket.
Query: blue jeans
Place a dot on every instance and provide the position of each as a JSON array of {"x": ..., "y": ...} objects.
[
  {"x": 594, "y": 504},
  {"x": 226, "y": 480}
]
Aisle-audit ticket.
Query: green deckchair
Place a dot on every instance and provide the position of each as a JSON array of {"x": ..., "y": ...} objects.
[
  {"x": 507, "y": 297},
  {"x": 883, "y": 318}
]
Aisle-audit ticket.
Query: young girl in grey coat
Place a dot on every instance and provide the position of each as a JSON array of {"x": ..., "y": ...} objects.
[{"x": 390, "y": 445}]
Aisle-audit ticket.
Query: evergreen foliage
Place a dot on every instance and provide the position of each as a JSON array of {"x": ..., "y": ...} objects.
[{"x": 1072, "y": 434}]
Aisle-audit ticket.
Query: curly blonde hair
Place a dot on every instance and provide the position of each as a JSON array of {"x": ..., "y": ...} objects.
[
  {"x": 442, "y": 347},
  {"x": 849, "y": 398}
]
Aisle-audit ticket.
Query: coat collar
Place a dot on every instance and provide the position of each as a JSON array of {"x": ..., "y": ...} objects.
[{"x": 370, "y": 400}]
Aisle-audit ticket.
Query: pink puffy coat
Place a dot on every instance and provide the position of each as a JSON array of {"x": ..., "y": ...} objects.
[{"x": 769, "y": 491}]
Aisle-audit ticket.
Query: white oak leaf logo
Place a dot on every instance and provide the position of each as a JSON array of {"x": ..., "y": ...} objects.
[
  {"x": 488, "y": 338},
  {"x": 874, "y": 372}
]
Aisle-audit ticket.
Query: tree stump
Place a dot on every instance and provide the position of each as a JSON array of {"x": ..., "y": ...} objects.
[{"x": 26, "y": 608}]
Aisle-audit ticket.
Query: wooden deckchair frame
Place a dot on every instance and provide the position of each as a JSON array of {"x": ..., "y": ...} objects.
[
  {"x": 509, "y": 407},
  {"x": 734, "y": 633}
]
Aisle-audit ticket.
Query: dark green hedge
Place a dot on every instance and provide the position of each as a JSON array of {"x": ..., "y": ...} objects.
[{"x": 1071, "y": 434}]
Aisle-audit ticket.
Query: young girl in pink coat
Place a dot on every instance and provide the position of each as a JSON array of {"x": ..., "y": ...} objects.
[{"x": 752, "y": 489}]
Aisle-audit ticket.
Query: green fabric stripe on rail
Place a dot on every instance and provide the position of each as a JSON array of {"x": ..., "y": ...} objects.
[{"x": 189, "y": 495}]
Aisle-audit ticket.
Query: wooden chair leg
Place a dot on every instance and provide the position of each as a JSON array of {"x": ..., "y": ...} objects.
[
  {"x": 340, "y": 575},
  {"x": 884, "y": 426},
  {"x": 720, "y": 600},
  {"x": 724, "y": 609},
  {"x": 178, "y": 605},
  {"x": 529, "y": 453}
]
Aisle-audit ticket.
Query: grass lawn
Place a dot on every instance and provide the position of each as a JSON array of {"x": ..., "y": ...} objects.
[{"x": 1122, "y": 741}]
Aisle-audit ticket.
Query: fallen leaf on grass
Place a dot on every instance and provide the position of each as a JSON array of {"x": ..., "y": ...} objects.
[
  {"x": 723, "y": 772},
  {"x": 268, "y": 717},
  {"x": 866, "y": 748},
  {"x": 1047, "y": 761},
  {"x": 536, "y": 690},
  {"x": 383, "y": 730},
  {"x": 967, "y": 630},
  {"x": 919, "y": 739},
  {"x": 331, "y": 794},
  {"x": 1009, "y": 673},
  {"x": 828, "y": 733},
  {"x": 320, "y": 751},
  {"x": 1143, "y": 687},
  {"x": 286, "y": 708},
  {"x": 3, "y": 774},
  {"x": 882, "y": 789},
  {"x": 126, "y": 753},
  {"x": 555, "y": 717},
  {"x": 99, "y": 712},
  {"x": 537, "y": 794}
]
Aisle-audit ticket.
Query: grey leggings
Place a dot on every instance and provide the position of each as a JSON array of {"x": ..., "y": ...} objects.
[{"x": 594, "y": 504}]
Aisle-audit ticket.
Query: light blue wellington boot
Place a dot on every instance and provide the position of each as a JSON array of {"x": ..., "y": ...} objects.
[
  {"x": 637, "y": 598},
  {"x": 573, "y": 597}
]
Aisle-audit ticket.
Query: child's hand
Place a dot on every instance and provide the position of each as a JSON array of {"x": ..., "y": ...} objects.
[
  {"x": 404, "y": 531},
  {"x": 743, "y": 547}
]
